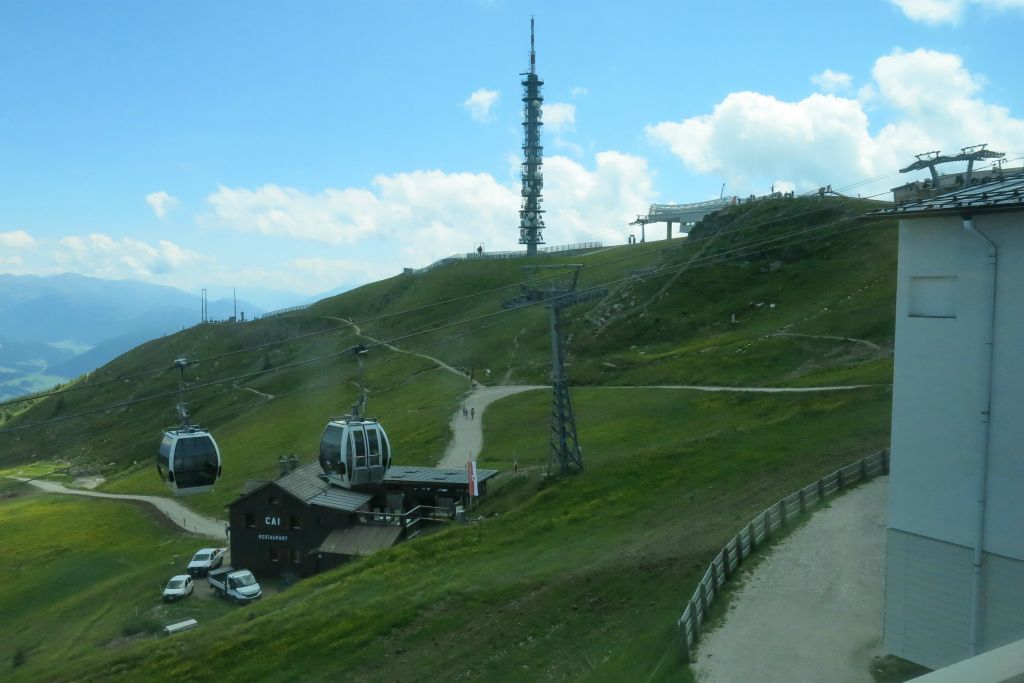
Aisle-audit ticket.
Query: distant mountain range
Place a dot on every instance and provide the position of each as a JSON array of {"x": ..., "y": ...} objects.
[{"x": 55, "y": 328}]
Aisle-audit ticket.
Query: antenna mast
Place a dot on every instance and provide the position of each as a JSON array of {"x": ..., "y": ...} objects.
[{"x": 531, "y": 215}]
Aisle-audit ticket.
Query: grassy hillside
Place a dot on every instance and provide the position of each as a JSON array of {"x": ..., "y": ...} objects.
[
  {"x": 578, "y": 580},
  {"x": 571, "y": 580},
  {"x": 83, "y": 576}
]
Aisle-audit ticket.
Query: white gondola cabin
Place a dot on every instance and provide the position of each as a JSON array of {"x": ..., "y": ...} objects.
[
  {"x": 354, "y": 452},
  {"x": 188, "y": 460}
]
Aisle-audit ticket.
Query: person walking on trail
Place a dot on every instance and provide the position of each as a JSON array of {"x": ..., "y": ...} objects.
[
  {"x": 465, "y": 413},
  {"x": 472, "y": 413}
]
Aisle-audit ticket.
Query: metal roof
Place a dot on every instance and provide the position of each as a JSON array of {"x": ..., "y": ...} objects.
[
  {"x": 1003, "y": 194},
  {"x": 433, "y": 475},
  {"x": 305, "y": 484},
  {"x": 361, "y": 539}
]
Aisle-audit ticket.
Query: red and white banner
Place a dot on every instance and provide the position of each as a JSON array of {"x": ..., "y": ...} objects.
[{"x": 471, "y": 478}]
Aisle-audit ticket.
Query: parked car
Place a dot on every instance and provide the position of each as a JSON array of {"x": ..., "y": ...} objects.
[
  {"x": 178, "y": 588},
  {"x": 234, "y": 584},
  {"x": 205, "y": 560}
]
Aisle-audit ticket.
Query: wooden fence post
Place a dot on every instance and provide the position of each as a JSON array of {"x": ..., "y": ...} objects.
[
  {"x": 821, "y": 491},
  {"x": 752, "y": 536},
  {"x": 839, "y": 480},
  {"x": 703, "y": 599},
  {"x": 864, "y": 468},
  {"x": 694, "y": 620},
  {"x": 726, "y": 569},
  {"x": 885, "y": 461},
  {"x": 782, "y": 513},
  {"x": 767, "y": 524},
  {"x": 686, "y": 643},
  {"x": 803, "y": 502},
  {"x": 714, "y": 576}
]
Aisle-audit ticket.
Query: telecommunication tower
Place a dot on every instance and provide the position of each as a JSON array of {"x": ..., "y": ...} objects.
[{"x": 531, "y": 215}]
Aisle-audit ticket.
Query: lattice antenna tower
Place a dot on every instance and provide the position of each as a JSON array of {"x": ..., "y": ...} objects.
[{"x": 531, "y": 215}]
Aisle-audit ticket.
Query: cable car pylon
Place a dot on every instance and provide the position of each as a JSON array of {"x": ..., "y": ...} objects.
[{"x": 565, "y": 453}]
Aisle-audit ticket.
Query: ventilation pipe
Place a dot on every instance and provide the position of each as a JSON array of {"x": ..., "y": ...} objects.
[{"x": 986, "y": 421}]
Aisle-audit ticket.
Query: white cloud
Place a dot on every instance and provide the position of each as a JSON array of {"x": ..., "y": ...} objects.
[
  {"x": 931, "y": 11},
  {"x": 161, "y": 202},
  {"x": 19, "y": 239},
  {"x": 480, "y": 103},
  {"x": 102, "y": 256},
  {"x": 559, "y": 116},
  {"x": 582, "y": 204},
  {"x": 931, "y": 100},
  {"x": 414, "y": 218},
  {"x": 579, "y": 91},
  {"x": 949, "y": 11},
  {"x": 830, "y": 81}
]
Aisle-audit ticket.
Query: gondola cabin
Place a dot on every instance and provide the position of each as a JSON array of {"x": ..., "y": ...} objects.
[
  {"x": 188, "y": 460},
  {"x": 354, "y": 452}
]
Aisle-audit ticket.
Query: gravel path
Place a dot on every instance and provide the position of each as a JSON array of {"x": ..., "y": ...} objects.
[
  {"x": 468, "y": 433},
  {"x": 176, "y": 512},
  {"x": 812, "y": 609}
]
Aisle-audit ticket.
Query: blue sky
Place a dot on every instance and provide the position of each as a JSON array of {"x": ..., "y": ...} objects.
[{"x": 305, "y": 146}]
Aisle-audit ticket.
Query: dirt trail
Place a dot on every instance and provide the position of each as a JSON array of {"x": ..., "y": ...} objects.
[
  {"x": 467, "y": 433},
  {"x": 179, "y": 515},
  {"x": 812, "y": 610},
  {"x": 438, "y": 361}
]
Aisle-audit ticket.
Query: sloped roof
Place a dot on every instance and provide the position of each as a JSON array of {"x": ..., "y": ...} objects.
[
  {"x": 1001, "y": 194},
  {"x": 361, "y": 539},
  {"x": 305, "y": 484},
  {"x": 398, "y": 474}
]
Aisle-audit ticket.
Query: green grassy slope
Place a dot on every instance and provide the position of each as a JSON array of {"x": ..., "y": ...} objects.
[
  {"x": 581, "y": 579},
  {"x": 83, "y": 576}
]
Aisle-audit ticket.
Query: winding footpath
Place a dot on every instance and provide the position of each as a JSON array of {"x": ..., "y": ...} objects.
[{"x": 178, "y": 514}]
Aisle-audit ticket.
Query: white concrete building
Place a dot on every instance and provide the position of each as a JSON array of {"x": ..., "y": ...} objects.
[{"x": 955, "y": 547}]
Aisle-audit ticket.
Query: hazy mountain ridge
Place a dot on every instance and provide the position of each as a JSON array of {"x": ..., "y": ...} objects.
[{"x": 104, "y": 317}]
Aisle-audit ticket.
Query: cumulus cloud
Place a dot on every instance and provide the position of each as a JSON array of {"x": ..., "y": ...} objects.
[
  {"x": 161, "y": 202},
  {"x": 583, "y": 203},
  {"x": 751, "y": 138},
  {"x": 931, "y": 11},
  {"x": 830, "y": 81},
  {"x": 425, "y": 215},
  {"x": 102, "y": 256},
  {"x": 480, "y": 103},
  {"x": 19, "y": 239},
  {"x": 579, "y": 91},
  {"x": 949, "y": 11},
  {"x": 559, "y": 116}
]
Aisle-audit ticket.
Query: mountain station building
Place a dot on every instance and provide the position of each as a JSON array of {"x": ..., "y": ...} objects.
[
  {"x": 954, "y": 583},
  {"x": 299, "y": 525}
]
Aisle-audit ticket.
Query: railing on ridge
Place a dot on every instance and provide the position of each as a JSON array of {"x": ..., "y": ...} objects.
[{"x": 562, "y": 249}]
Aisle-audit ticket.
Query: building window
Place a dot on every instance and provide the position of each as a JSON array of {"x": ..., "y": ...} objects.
[
  {"x": 272, "y": 499},
  {"x": 250, "y": 520},
  {"x": 294, "y": 522},
  {"x": 932, "y": 297},
  {"x": 274, "y": 557},
  {"x": 319, "y": 520},
  {"x": 296, "y": 557}
]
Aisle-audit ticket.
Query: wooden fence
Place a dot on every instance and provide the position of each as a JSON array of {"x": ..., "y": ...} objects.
[{"x": 760, "y": 530}]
